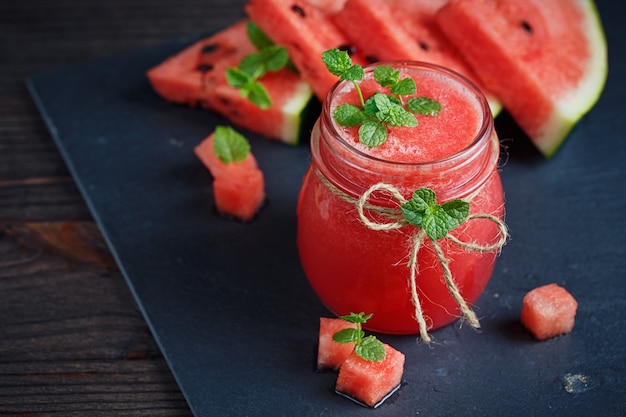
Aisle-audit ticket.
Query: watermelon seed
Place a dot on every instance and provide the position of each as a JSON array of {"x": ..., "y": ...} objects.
[
  {"x": 204, "y": 67},
  {"x": 350, "y": 49},
  {"x": 526, "y": 26},
  {"x": 423, "y": 45},
  {"x": 207, "y": 49},
  {"x": 298, "y": 10},
  {"x": 372, "y": 59}
]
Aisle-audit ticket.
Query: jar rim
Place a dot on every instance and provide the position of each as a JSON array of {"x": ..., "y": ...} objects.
[{"x": 482, "y": 132}]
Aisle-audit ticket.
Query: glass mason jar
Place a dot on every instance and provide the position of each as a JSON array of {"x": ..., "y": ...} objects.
[{"x": 354, "y": 267}]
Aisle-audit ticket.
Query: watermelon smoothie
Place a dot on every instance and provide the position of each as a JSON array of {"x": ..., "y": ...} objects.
[{"x": 353, "y": 268}]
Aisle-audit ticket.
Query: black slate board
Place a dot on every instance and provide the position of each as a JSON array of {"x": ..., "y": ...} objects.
[{"x": 232, "y": 311}]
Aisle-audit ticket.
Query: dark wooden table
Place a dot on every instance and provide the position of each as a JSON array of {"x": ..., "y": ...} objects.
[{"x": 72, "y": 339}]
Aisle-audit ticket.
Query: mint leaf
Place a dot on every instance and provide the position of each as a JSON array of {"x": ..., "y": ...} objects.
[
  {"x": 271, "y": 58},
  {"x": 359, "y": 318},
  {"x": 404, "y": 87},
  {"x": 371, "y": 349},
  {"x": 423, "y": 105},
  {"x": 249, "y": 87},
  {"x": 257, "y": 37},
  {"x": 257, "y": 94},
  {"x": 434, "y": 223},
  {"x": 368, "y": 348},
  {"x": 386, "y": 76},
  {"x": 391, "y": 112},
  {"x": 457, "y": 211},
  {"x": 436, "y": 219},
  {"x": 275, "y": 57},
  {"x": 336, "y": 61},
  {"x": 348, "y": 115},
  {"x": 349, "y": 335},
  {"x": 370, "y": 108},
  {"x": 238, "y": 78},
  {"x": 372, "y": 132},
  {"x": 354, "y": 73},
  {"x": 253, "y": 65},
  {"x": 229, "y": 145}
]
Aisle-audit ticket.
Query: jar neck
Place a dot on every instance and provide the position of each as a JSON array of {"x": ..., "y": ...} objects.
[{"x": 456, "y": 176}]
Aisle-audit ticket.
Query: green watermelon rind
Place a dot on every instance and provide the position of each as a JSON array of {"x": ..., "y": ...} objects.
[
  {"x": 294, "y": 112},
  {"x": 570, "y": 108}
]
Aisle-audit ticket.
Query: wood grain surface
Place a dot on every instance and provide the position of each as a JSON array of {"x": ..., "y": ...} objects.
[{"x": 72, "y": 339}]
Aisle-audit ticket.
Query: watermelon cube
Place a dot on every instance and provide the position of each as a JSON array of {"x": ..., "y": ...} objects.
[
  {"x": 331, "y": 354},
  {"x": 238, "y": 187},
  {"x": 239, "y": 192},
  {"x": 371, "y": 383},
  {"x": 548, "y": 311}
]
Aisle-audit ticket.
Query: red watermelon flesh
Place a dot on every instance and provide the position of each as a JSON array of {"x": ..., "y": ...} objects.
[
  {"x": 238, "y": 187},
  {"x": 548, "y": 311},
  {"x": 329, "y": 6},
  {"x": 196, "y": 77},
  {"x": 545, "y": 60},
  {"x": 368, "y": 382},
  {"x": 406, "y": 30},
  {"x": 306, "y": 31},
  {"x": 239, "y": 192},
  {"x": 331, "y": 354}
]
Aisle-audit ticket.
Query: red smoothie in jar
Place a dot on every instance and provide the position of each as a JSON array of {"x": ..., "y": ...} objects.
[{"x": 351, "y": 266}]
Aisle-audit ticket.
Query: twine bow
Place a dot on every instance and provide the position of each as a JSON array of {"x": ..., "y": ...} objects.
[{"x": 398, "y": 221}]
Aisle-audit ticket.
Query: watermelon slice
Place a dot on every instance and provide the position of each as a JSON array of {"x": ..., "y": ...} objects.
[
  {"x": 196, "y": 77},
  {"x": 331, "y": 354},
  {"x": 545, "y": 60},
  {"x": 238, "y": 186},
  {"x": 306, "y": 30},
  {"x": 548, "y": 311},
  {"x": 371, "y": 383},
  {"x": 405, "y": 30}
]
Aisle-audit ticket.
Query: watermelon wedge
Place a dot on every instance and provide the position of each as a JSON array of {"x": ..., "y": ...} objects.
[
  {"x": 545, "y": 60},
  {"x": 306, "y": 30},
  {"x": 404, "y": 30},
  {"x": 548, "y": 311},
  {"x": 238, "y": 185},
  {"x": 196, "y": 77}
]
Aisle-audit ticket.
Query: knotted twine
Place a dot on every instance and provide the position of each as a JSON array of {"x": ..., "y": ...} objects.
[{"x": 397, "y": 221}]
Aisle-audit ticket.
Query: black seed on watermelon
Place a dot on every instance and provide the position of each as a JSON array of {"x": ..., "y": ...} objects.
[
  {"x": 204, "y": 67},
  {"x": 298, "y": 10},
  {"x": 423, "y": 45},
  {"x": 350, "y": 49},
  {"x": 372, "y": 59},
  {"x": 526, "y": 26},
  {"x": 207, "y": 49}
]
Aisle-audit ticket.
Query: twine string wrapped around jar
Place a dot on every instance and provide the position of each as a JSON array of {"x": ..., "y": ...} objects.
[{"x": 398, "y": 221}]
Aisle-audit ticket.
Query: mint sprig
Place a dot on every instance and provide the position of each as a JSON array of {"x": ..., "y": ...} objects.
[
  {"x": 367, "y": 347},
  {"x": 249, "y": 87},
  {"x": 269, "y": 57},
  {"x": 229, "y": 145},
  {"x": 436, "y": 219},
  {"x": 379, "y": 111}
]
